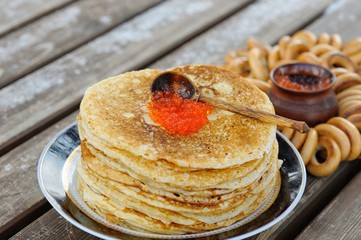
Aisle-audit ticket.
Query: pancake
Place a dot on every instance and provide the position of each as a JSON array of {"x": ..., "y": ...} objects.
[
  {"x": 164, "y": 172},
  {"x": 137, "y": 175},
  {"x": 115, "y": 111},
  {"x": 133, "y": 206},
  {"x": 179, "y": 202}
]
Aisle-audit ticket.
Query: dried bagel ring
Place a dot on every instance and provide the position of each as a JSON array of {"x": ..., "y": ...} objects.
[
  {"x": 352, "y": 46},
  {"x": 283, "y": 43},
  {"x": 352, "y": 134},
  {"x": 256, "y": 61},
  {"x": 298, "y": 139},
  {"x": 309, "y": 57},
  {"x": 284, "y": 61},
  {"x": 355, "y": 87},
  {"x": 346, "y": 80},
  {"x": 295, "y": 48},
  {"x": 352, "y": 100},
  {"x": 321, "y": 49},
  {"x": 332, "y": 161},
  {"x": 356, "y": 57},
  {"x": 306, "y": 36},
  {"x": 239, "y": 54},
  {"x": 328, "y": 130},
  {"x": 349, "y": 98},
  {"x": 273, "y": 57},
  {"x": 355, "y": 119},
  {"x": 254, "y": 43},
  {"x": 339, "y": 71},
  {"x": 324, "y": 38},
  {"x": 349, "y": 110},
  {"x": 241, "y": 67},
  {"x": 348, "y": 92},
  {"x": 309, "y": 146},
  {"x": 262, "y": 85},
  {"x": 237, "y": 61},
  {"x": 288, "y": 132},
  {"x": 336, "y": 41},
  {"x": 339, "y": 59},
  {"x": 346, "y": 106}
]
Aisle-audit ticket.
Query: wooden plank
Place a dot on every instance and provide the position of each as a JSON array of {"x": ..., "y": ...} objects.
[
  {"x": 342, "y": 17},
  {"x": 19, "y": 191},
  {"x": 16, "y": 13},
  {"x": 27, "y": 49},
  {"x": 342, "y": 217},
  {"x": 30, "y": 145},
  {"x": 64, "y": 230},
  {"x": 51, "y": 91}
]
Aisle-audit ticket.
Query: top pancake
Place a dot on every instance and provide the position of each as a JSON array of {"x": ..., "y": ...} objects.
[{"x": 115, "y": 110}]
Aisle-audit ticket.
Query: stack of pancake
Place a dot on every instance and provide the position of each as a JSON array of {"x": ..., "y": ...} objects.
[{"x": 135, "y": 174}]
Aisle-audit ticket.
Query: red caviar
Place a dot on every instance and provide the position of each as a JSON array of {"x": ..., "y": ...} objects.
[
  {"x": 178, "y": 115},
  {"x": 302, "y": 82}
]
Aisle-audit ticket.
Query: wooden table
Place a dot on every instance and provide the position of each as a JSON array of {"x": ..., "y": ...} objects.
[{"x": 51, "y": 51}]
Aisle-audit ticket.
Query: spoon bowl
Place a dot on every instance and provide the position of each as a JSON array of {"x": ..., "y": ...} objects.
[{"x": 175, "y": 82}]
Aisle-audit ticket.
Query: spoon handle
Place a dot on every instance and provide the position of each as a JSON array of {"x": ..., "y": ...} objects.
[{"x": 257, "y": 114}]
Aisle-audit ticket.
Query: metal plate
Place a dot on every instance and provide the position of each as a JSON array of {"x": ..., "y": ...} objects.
[{"x": 55, "y": 154}]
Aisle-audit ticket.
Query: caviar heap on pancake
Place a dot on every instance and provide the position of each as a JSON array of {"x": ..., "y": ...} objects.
[{"x": 178, "y": 115}]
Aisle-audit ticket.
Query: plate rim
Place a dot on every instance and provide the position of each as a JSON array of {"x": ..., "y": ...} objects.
[
  {"x": 292, "y": 205},
  {"x": 54, "y": 203}
]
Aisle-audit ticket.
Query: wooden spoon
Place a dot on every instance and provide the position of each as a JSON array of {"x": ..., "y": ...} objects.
[{"x": 181, "y": 84}]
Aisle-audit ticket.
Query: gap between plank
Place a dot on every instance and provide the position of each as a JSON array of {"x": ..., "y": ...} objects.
[
  {"x": 24, "y": 219},
  {"x": 36, "y": 17}
]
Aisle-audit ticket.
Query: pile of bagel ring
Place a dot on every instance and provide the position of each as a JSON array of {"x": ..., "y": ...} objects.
[{"x": 338, "y": 139}]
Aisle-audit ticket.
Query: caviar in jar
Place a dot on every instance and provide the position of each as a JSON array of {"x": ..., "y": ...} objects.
[{"x": 302, "y": 81}]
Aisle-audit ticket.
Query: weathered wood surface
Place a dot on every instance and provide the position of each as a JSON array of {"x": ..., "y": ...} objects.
[
  {"x": 342, "y": 17},
  {"x": 53, "y": 90},
  {"x": 341, "y": 219},
  {"x": 319, "y": 192},
  {"x": 15, "y": 13},
  {"x": 19, "y": 190},
  {"x": 32, "y": 46},
  {"x": 64, "y": 231},
  {"x": 238, "y": 22},
  {"x": 18, "y": 167}
]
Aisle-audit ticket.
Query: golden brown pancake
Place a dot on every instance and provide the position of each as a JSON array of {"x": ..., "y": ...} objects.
[
  {"x": 166, "y": 212},
  {"x": 115, "y": 112},
  {"x": 135, "y": 174},
  {"x": 205, "y": 197},
  {"x": 163, "y": 171}
]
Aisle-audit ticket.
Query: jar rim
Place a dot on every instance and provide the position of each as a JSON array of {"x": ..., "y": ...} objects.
[{"x": 327, "y": 72}]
